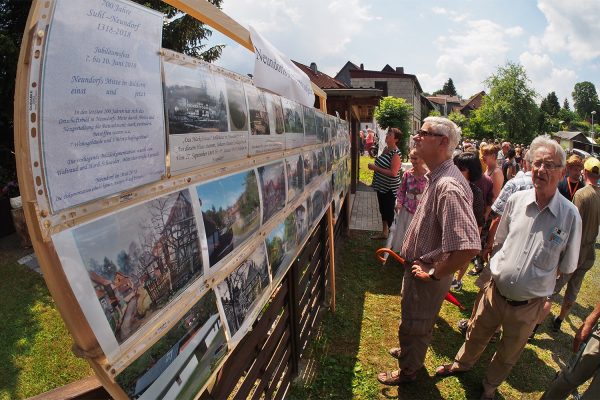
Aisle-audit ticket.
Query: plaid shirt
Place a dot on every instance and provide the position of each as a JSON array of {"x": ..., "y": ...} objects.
[{"x": 444, "y": 220}]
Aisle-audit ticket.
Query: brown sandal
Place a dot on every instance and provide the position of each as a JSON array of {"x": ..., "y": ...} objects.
[
  {"x": 446, "y": 370},
  {"x": 388, "y": 378}
]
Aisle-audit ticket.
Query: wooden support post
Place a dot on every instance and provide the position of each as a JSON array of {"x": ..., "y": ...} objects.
[{"x": 331, "y": 256}]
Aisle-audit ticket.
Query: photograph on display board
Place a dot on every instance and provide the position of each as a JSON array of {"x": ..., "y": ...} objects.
[
  {"x": 319, "y": 200},
  {"x": 266, "y": 121},
  {"x": 138, "y": 260},
  {"x": 294, "y": 166},
  {"x": 197, "y": 118},
  {"x": 329, "y": 156},
  {"x": 310, "y": 128},
  {"x": 320, "y": 126},
  {"x": 272, "y": 187},
  {"x": 180, "y": 363},
  {"x": 281, "y": 246},
  {"x": 241, "y": 291},
  {"x": 293, "y": 123},
  {"x": 311, "y": 167},
  {"x": 195, "y": 102},
  {"x": 257, "y": 108},
  {"x": 321, "y": 162},
  {"x": 336, "y": 152},
  {"x": 231, "y": 212},
  {"x": 301, "y": 219},
  {"x": 275, "y": 113},
  {"x": 238, "y": 114},
  {"x": 309, "y": 217}
]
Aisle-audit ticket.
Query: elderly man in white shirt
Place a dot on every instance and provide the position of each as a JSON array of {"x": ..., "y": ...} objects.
[{"x": 538, "y": 236}]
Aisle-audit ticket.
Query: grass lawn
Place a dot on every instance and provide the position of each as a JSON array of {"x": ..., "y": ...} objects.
[
  {"x": 352, "y": 345},
  {"x": 365, "y": 175},
  {"x": 35, "y": 347}
]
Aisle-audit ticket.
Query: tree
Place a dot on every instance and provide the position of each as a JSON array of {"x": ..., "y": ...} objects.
[
  {"x": 394, "y": 112},
  {"x": 585, "y": 99},
  {"x": 550, "y": 104},
  {"x": 509, "y": 110},
  {"x": 566, "y": 105},
  {"x": 184, "y": 33},
  {"x": 449, "y": 88}
]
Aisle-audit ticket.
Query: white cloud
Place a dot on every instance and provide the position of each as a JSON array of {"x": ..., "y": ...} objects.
[
  {"x": 572, "y": 26},
  {"x": 469, "y": 56},
  {"x": 515, "y": 31},
  {"x": 439, "y": 10},
  {"x": 546, "y": 77}
]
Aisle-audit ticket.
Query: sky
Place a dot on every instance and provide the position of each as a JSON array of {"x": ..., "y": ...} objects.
[{"x": 557, "y": 41}]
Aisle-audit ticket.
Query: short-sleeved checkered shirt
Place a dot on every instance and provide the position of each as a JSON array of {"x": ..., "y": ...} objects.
[{"x": 444, "y": 220}]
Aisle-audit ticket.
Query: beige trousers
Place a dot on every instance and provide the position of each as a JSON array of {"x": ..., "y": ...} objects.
[
  {"x": 517, "y": 324},
  {"x": 421, "y": 303},
  {"x": 569, "y": 379}
]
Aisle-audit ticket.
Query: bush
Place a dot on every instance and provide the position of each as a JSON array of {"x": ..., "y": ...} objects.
[{"x": 395, "y": 112}]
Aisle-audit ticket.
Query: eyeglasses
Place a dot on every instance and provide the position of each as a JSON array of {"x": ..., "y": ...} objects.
[
  {"x": 547, "y": 166},
  {"x": 423, "y": 133}
]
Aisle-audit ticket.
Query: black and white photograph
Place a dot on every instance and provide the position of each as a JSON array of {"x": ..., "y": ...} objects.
[
  {"x": 282, "y": 245},
  {"x": 231, "y": 212},
  {"x": 242, "y": 290},
  {"x": 310, "y": 128},
  {"x": 266, "y": 121},
  {"x": 196, "y": 103},
  {"x": 275, "y": 114},
  {"x": 294, "y": 166},
  {"x": 293, "y": 123},
  {"x": 238, "y": 112},
  {"x": 301, "y": 219},
  {"x": 257, "y": 108},
  {"x": 180, "y": 363},
  {"x": 272, "y": 187},
  {"x": 139, "y": 259}
]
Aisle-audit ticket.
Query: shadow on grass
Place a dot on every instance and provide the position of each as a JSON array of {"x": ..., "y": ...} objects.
[{"x": 353, "y": 342}]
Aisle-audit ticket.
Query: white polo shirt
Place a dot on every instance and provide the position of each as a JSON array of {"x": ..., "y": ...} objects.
[{"x": 534, "y": 244}]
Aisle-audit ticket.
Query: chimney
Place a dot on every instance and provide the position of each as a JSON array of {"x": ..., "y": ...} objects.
[
  {"x": 313, "y": 66},
  {"x": 400, "y": 70},
  {"x": 362, "y": 66}
]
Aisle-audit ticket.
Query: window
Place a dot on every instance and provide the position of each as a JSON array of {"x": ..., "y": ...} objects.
[{"x": 382, "y": 85}]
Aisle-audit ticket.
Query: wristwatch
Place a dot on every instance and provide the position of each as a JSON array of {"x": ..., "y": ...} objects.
[{"x": 432, "y": 275}]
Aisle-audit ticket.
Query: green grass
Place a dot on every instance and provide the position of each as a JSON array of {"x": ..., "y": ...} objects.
[
  {"x": 35, "y": 346},
  {"x": 351, "y": 347},
  {"x": 365, "y": 175}
]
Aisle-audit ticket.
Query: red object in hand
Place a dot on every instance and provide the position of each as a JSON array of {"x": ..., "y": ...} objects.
[{"x": 379, "y": 254}]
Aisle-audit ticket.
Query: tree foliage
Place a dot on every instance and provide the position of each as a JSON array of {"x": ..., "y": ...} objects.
[
  {"x": 585, "y": 99},
  {"x": 394, "y": 112},
  {"x": 447, "y": 89},
  {"x": 184, "y": 33},
  {"x": 550, "y": 104},
  {"x": 509, "y": 110}
]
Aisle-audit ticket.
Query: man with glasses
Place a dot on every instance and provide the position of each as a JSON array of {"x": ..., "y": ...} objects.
[
  {"x": 539, "y": 234},
  {"x": 441, "y": 238}
]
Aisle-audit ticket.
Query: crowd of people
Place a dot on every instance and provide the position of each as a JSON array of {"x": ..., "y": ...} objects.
[{"x": 526, "y": 217}]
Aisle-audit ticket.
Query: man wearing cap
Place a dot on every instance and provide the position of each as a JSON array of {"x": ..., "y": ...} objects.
[
  {"x": 539, "y": 234},
  {"x": 441, "y": 238},
  {"x": 573, "y": 181},
  {"x": 587, "y": 201}
]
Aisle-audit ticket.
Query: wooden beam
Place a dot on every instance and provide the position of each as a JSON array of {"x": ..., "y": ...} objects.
[{"x": 330, "y": 228}]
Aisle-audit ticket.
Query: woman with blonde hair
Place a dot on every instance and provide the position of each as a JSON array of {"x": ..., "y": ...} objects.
[
  {"x": 573, "y": 180},
  {"x": 493, "y": 171}
]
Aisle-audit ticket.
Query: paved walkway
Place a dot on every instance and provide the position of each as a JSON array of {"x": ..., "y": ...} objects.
[{"x": 365, "y": 210}]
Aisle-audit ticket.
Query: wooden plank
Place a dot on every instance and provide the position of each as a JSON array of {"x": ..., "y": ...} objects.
[
  {"x": 247, "y": 350},
  {"x": 265, "y": 354},
  {"x": 282, "y": 367},
  {"x": 78, "y": 389},
  {"x": 281, "y": 355}
]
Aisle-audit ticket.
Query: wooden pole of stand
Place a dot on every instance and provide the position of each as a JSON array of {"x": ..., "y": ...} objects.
[{"x": 331, "y": 256}]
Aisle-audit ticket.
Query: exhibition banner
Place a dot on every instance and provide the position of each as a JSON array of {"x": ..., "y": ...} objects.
[
  {"x": 101, "y": 101},
  {"x": 274, "y": 71}
]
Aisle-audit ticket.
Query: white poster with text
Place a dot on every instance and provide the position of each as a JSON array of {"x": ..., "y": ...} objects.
[
  {"x": 102, "y": 117},
  {"x": 274, "y": 71}
]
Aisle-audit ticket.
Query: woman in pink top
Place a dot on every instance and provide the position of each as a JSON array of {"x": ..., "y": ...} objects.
[
  {"x": 408, "y": 196},
  {"x": 369, "y": 140}
]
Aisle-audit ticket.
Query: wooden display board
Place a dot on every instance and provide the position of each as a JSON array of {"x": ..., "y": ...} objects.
[{"x": 165, "y": 197}]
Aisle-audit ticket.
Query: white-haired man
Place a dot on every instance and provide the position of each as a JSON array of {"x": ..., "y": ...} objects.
[
  {"x": 539, "y": 234},
  {"x": 441, "y": 238}
]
